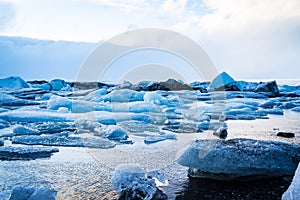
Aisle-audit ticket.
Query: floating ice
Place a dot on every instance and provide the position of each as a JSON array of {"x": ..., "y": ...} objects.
[
  {"x": 13, "y": 82},
  {"x": 96, "y": 96},
  {"x": 211, "y": 125},
  {"x": 33, "y": 116},
  {"x": 57, "y": 84},
  {"x": 138, "y": 126},
  {"x": 4, "y": 124},
  {"x": 158, "y": 138},
  {"x": 9, "y": 100},
  {"x": 155, "y": 98},
  {"x": 23, "y": 130},
  {"x": 272, "y": 111},
  {"x": 32, "y": 193},
  {"x": 123, "y": 95},
  {"x": 1, "y": 142},
  {"x": 130, "y": 181},
  {"x": 223, "y": 80},
  {"x": 25, "y": 153},
  {"x": 293, "y": 191},
  {"x": 236, "y": 158},
  {"x": 296, "y": 109},
  {"x": 54, "y": 140},
  {"x": 114, "y": 132},
  {"x": 268, "y": 104}
]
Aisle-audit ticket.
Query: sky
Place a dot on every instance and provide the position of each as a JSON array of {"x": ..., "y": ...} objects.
[{"x": 250, "y": 39}]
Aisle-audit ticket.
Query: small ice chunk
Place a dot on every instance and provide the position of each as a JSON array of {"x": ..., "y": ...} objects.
[
  {"x": 4, "y": 124},
  {"x": 32, "y": 193},
  {"x": 160, "y": 179},
  {"x": 272, "y": 111},
  {"x": 23, "y": 130},
  {"x": 158, "y": 138},
  {"x": 1, "y": 142},
  {"x": 96, "y": 96},
  {"x": 130, "y": 181},
  {"x": 114, "y": 132},
  {"x": 155, "y": 98},
  {"x": 211, "y": 125},
  {"x": 123, "y": 95},
  {"x": 55, "y": 102},
  {"x": 296, "y": 109},
  {"x": 268, "y": 104},
  {"x": 57, "y": 84}
]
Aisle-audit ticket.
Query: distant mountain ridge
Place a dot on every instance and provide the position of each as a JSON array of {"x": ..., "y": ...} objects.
[{"x": 28, "y": 57}]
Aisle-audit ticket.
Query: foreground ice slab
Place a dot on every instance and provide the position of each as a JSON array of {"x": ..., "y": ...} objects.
[
  {"x": 130, "y": 181},
  {"x": 293, "y": 191},
  {"x": 54, "y": 140},
  {"x": 32, "y": 193},
  {"x": 240, "y": 158},
  {"x": 25, "y": 153}
]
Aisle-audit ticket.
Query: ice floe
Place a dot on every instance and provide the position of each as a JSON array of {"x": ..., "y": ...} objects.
[{"x": 25, "y": 153}]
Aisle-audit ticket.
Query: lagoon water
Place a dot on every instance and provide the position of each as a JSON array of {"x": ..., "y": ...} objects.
[{"x": 84, "y": 173}]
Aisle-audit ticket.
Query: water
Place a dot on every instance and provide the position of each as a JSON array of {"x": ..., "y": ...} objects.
[{"x": 84, "y": 173}]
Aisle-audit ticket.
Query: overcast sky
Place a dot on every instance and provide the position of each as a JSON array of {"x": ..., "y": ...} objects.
[{"x": 247, "y": 38}]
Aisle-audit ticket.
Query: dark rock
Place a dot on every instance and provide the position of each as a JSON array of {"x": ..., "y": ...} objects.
[
  {"x": 221, "y": 132},
  {"x": 270, "y": 87},
  {"x": 286, "y": 134}
]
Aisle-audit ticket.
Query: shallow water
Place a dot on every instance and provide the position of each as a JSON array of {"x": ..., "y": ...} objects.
[{"x": 84, "y": 173}]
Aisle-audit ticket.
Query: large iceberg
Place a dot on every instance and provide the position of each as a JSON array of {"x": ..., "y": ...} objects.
[{"x": 240, "y": 158}]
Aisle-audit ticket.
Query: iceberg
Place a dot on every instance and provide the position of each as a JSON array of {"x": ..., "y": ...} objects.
[
  {"x": 57, "y": 84},
  {"x": 158, "y": 138},
  {"x": 23, "y": 130},
  {"x": 13, "y": 82},
  {"x": 114, "y": 132},
  {"x": 4, "y": 124},
  {"x": 138, "y": 126},
  {"x": 155, "y": 98},
  {"x": 224, "y": 82},
  {"x": 9, "y": 100},
  {"x": 96, "y": 96},
  {"x": 25, "y": 153},
  {"x": 130, "y": 181},
  {"x": 240, "y": 158},
  {"x": 61, "y": 140},
  {"x": 123, "y": 95},
  {"x": 292, "y": 192},
  {"x": 33, "y": 116}
]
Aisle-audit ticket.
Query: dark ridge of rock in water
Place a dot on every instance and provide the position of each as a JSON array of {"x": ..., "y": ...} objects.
[
  {"x": 25, "y": 153},
  {"x": 286, "y": 134},
  {"x": 207, "y": 189},
  {"x": 169, "y": 85},
  {"x": 90, "y": 85},
  {"x": 240, "y": 158}
]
